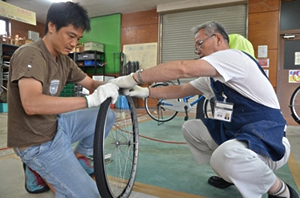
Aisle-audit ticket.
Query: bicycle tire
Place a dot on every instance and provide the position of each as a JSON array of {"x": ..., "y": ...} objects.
[
  {"x": 295, "y": 105},
  {"x": 208, "y": 109},
  {"x": 157, "y": 113},
  {"x": 116, "y": 156}
]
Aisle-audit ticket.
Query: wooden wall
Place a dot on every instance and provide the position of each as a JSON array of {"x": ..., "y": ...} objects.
[
  {"x": 139, "y": 27},
  {"x": 142, "y": 27},
  {"x": 263, "y": 29},
  {"x": 21, "y": 28}
]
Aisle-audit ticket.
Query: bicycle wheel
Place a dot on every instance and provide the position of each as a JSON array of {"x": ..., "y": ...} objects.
[
  {"x": 208, "y": 108},
  {"x": 157, "y": 109},
  {"x": 116, "y": 156},
  {"x": 295, "y": 105}
]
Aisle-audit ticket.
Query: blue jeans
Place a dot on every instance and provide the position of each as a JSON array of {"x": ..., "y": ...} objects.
[{"x": 55, "y": 160}]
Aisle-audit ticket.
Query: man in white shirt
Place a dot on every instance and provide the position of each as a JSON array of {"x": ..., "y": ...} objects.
[{"x": 245, "y": 142}]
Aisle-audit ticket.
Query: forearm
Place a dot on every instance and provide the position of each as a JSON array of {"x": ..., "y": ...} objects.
[
  {"x": 177, "y": 69},
  {"x": 171, "y": 92},
  {"x": 44, "y": 104},
  {"x": 96, "y": 84},
  {"x": 160, "y": 73},
  {"x": 90, "y": 84},
  {"x": 167, "y": 71},
  {"x": 163, "y": 92}
]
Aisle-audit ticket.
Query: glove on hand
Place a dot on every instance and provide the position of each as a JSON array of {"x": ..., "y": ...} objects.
[
  {"x": 101, "y": 94},
  {"x": 137, "y": 91},
  {"x": 124, "y": 81}
]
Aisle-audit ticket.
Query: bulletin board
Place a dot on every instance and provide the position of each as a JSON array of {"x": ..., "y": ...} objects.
[{"x": 145, "y": 53}]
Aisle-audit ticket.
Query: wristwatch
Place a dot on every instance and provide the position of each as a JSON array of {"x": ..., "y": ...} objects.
[{"x": 139, "y": 76}]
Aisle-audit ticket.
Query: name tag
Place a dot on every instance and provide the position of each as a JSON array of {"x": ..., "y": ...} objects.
[{"x": 223, "y": 111}]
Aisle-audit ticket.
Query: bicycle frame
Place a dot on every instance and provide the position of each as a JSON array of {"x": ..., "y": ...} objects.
[
  {"x": 167, "y": 109},
  {"x": 181, "y": 105}
]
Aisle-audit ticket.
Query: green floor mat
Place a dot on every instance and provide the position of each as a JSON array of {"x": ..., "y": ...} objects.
[{"x": 172, "y": 166}]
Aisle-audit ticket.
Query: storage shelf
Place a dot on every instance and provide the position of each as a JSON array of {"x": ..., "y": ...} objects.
[
  {"x": 6, "y": 51},
  {"x": 90, "y": 66},
  {"x": 96, "y": 56},
  {"x": 79, "y": 58}
]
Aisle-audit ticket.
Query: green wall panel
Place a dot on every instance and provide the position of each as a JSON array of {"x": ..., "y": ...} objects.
[{"x": 107, "y": 30}]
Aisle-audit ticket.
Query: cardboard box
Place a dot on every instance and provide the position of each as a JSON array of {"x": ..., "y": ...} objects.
[
  {"x": 93, "y": 46},
  {"x": 103, "y": 78},
  {"x": 3, "y": 107},
  {"x": 78, "y": 48}
]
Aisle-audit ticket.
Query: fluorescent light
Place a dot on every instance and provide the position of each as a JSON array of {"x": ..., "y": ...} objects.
[{"x": 57, "y": 1}]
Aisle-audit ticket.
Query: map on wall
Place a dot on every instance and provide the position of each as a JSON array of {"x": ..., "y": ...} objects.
[{"x": 145, "y": 53}]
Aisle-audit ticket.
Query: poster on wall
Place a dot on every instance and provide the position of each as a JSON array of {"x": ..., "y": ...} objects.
[
  {"x": 297, "y": 58},
  {"x": 294, "y": 76},
  {"x": 145, "y": 53},
  {"x": 264, "y": 62},
  {"x": 262, "y": 51},
  {"x": 16, "y": 13},
  {"x": 267, "y": 72}
]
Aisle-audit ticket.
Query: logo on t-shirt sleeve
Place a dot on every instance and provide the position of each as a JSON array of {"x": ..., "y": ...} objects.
[{"x": 53, "y": 87}]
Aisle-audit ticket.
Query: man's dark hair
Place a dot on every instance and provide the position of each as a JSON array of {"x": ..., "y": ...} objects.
[{"x": 66, "y": 13}]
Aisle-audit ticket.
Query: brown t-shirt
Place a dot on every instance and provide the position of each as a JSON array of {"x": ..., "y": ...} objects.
[{"x": 35, "y": 61}]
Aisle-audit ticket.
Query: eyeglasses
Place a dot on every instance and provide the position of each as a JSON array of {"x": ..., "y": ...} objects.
[{"x": 199, "y": 43}]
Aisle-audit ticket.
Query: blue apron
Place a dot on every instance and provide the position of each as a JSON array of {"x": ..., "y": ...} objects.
[{"x": 260, "y": 126}]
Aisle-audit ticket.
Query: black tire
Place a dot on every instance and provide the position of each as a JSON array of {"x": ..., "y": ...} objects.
[
  {"x": 295, "y": 105},
  {"x": 200, "y": 114},
  {"x": 116, "y": 156},
  {"x": 159, "y": 113},
  {"x": 208, "y": 108}
]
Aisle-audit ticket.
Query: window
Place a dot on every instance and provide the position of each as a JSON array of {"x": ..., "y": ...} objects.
[{"x": 3, "y": 27}]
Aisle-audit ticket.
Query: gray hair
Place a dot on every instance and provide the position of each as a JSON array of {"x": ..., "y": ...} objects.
[{"x": 211, "y": 27}]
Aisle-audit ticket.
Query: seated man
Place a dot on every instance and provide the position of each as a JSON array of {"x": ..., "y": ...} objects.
[{"x": 43, "y": 126}]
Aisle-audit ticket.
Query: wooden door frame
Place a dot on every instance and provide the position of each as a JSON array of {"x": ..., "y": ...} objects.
[{"x": 280, "y": 70}]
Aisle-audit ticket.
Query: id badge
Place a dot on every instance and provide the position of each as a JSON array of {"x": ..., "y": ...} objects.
[{"x": 223, "y": 111}]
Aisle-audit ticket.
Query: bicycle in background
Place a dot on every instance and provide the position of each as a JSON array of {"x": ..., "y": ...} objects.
[
  {"x": 295, "y": 105},
  {"x": 164, "y": 110}
]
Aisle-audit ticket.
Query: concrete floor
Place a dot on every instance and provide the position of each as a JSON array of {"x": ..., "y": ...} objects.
[{"x": 12, "y": 176}]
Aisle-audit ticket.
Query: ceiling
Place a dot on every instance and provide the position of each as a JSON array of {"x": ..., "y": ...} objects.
[{"x": 94, "y": 7}]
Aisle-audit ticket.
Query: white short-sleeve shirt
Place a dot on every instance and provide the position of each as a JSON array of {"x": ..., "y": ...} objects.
[{"x": 240, "y": 73}]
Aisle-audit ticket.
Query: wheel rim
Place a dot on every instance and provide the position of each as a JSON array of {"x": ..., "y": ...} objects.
[
  {"x": 295, "y": 105},
  {"x": 156, "y": 110},
  {"x": 115, "y": 170},
  {"x": 120, "y": 150}
]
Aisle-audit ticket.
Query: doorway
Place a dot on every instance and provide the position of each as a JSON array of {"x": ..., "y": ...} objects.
[{"x": 289, "y": 54}]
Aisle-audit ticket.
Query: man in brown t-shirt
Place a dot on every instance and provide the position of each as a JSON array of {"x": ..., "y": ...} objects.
[{"x": 41, "y": 125}]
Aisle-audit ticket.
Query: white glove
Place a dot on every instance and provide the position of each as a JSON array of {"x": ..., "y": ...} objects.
[
  {"x": 137, "y": 91},
  {"x": 101, "y": 94},
  {"x": 124, "y": 81}
]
